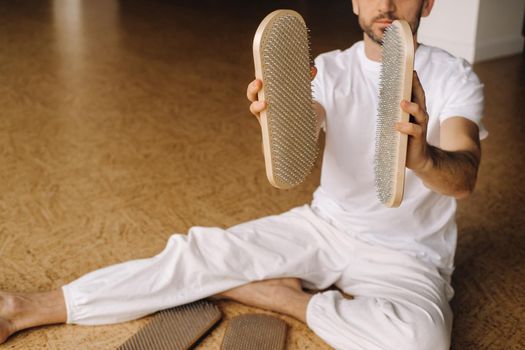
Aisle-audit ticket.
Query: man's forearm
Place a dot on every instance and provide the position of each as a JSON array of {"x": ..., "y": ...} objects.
[{"x": 451, "y": 173}]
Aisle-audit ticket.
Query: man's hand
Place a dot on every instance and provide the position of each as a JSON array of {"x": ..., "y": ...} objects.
[
  {"x": 256, "y": 106},
  {"x": 418, "y": 156},
  {"x": 450, "y": 169}
]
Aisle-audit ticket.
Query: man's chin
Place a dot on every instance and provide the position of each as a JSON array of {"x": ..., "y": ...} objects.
[{"x": 376, "y": 36}]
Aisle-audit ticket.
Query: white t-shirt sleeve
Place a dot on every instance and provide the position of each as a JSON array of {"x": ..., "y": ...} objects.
[
  {"x": 466, "y": 97},
  {"x": 317, "y": 83}
]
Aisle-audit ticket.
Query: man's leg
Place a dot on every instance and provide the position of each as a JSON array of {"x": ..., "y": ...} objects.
[
  {"x": 399, "y": 302},
  {"x": 24, "y": 310},
  {"x": 203, "y": 263},
  {"x": 284, "y": 295},
  {"x": 20, "y": 311}
]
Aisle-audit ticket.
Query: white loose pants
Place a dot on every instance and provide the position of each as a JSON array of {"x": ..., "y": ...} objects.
[{"x": 399, "y": 301}]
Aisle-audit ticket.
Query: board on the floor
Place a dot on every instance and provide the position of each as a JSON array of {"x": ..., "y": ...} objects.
[
  {"x": 178, "y": 328},
  {"x": 255, "y": 331}
]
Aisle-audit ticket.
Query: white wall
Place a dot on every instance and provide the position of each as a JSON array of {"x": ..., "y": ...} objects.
[
  {"x": 499, "y": 28},
  {"x": 475, "y": 29}
]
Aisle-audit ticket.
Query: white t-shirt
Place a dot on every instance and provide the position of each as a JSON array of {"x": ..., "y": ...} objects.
[{"x": 346, "y": 86}]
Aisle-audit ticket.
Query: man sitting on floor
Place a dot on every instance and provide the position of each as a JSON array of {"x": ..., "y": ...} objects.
[{"x": 395, "y": 263}]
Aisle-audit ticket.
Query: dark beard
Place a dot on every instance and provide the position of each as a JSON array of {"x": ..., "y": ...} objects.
[
  {"x": 374, "y": 37},
  {"x": 368, "y": 29},
  {"x": 379, "y": 40}
]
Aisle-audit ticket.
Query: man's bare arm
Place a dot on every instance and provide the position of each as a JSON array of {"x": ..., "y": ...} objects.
[
  {"x": 453, "y": 168},
  {"x": 450, "y": 169}
]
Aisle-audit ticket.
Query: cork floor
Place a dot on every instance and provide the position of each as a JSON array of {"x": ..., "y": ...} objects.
[{"x": 122, "y": 122}]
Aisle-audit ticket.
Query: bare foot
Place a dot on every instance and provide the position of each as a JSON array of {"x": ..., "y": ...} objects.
[
  {"x": 6, "y": 329},
  {"x": 261, "y": 289},
  {"x": 24, "y": 310},
  {"x": 280, "y": 295},
  {"x": 7, "y": 314}
]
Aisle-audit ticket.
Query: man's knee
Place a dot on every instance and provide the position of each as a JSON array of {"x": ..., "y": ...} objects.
[
  {"x": 379, "y": 323},
  {"x": 430, "y": 331}
]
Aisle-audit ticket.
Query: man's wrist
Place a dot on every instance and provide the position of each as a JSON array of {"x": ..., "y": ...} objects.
[{"x": 428, "y": 162}]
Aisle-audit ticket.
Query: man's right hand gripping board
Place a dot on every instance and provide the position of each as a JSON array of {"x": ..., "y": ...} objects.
[{"x": 288, "y": 124}]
